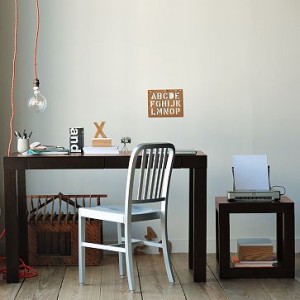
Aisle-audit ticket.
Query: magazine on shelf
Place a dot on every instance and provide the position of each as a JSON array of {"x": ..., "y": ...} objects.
[{"x": 252, "y": 263}]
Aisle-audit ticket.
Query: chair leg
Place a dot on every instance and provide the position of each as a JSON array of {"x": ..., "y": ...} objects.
[
  {"x": 165, "y": 249},
  {"x": 81, "y": 249},
  {"x": 120, "y": 227},
  {"x": 128, "y": 256}
]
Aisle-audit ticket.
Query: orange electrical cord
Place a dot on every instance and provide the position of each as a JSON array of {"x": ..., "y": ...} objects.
[
  {"x": 13, "y": 77},
  {"x": 24, "y": 270},
  {"x": 2, "y": 234},
  {"x": 37, "y": 8}
]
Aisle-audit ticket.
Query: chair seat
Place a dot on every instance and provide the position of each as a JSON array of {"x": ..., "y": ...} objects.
[{"x": 116, "y": 213}]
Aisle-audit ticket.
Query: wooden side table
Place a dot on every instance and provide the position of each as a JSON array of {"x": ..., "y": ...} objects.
[{"x": 285, "y": 235}]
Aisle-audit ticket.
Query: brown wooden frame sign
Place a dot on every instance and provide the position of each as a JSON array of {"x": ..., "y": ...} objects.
[{"x": 165, "y": 103}]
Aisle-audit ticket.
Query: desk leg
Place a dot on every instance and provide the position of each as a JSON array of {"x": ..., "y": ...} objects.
[
  {"x": 224, "y": 242},
  {"x": 280, "y": 236},
  {"x": 191, "y": 218},
  {"x": 22, "y": 209},
  {"x": 217, "y": 236},
  {"x": 199, "y": 225},
  {"x": 288, "y": 241},
  {"x": 11, "y": 226}
]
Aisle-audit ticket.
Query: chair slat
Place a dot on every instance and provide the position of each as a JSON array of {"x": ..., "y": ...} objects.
[
  {"x": 142, "y": 174},
  {"x": 154, "y": 169},
  {"x": 148, "y": 173},
  {"x": 158, "y": 177}
]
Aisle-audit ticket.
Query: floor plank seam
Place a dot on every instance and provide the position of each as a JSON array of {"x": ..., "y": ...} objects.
[
  {"x": 264, "y": 288},
  {"x": 19, "y": 289},
  {"x": 101, "y": 280},
  {"x": 217, "y": 278},
  {"x": 139, "y": 278},
  {"x": 61, "y": 283},
  {"x": 179, "y": 281}
]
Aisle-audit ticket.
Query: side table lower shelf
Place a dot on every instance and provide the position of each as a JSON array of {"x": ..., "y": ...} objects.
[
  {"x": 285, "y": 250},
  {"x": 258, "y": 272}
]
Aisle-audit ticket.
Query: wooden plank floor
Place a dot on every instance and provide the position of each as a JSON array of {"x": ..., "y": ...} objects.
[{"x": 104, "y": 282}]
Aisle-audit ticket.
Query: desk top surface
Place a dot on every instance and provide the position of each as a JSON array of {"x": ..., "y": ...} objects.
[
  {"x": 121, "y": 154},
  {"x": 92, "y": 161}
]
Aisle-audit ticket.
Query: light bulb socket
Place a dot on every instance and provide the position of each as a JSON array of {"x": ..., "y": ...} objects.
[{"x": 36, "y": 83}]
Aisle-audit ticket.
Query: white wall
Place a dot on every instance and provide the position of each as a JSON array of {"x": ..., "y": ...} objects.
[{"x": 237, "y": 62}]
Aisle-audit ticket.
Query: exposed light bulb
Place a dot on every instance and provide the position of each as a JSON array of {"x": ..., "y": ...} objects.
[{"x": 37, "y": 102}]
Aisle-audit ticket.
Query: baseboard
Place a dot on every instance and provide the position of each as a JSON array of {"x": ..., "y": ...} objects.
[
  {"x": 211, "y": 245},
  {"x": 180, "y": 246}
]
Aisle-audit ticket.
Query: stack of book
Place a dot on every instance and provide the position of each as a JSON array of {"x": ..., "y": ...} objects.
[
  {"x": 46, "y": 150},
  {"x": 254, "y": 252}
]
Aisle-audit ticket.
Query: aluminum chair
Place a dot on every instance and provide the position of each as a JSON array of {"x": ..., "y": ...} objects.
[{"x": 148, "y": 180}]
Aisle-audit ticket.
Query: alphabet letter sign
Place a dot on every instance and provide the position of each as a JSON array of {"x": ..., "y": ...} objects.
[{"x": 165, "y": 103}]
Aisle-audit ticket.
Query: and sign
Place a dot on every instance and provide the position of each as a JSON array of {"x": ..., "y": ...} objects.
[
  {"x": 165, "y": 103},
  {"x": 76, "y": 139}
]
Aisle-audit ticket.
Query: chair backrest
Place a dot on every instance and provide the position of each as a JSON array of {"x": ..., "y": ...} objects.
[{"x": 149, "y": 173}]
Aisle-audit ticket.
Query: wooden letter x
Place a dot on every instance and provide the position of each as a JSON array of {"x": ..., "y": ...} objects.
[{"x": 100, "y": 129}]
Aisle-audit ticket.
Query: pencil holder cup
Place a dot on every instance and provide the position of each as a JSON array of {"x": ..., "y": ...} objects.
[{"x": 22, "y": 145}]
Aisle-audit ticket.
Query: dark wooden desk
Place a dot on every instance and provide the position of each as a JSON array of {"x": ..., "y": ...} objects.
[{"x": 15, "y": 200}]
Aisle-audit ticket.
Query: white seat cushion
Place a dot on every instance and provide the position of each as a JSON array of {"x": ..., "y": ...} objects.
[{"x": 115, "y": 213}]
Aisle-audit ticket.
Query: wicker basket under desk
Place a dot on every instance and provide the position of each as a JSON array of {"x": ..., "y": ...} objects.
[{"x": 53, "y": 229}]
